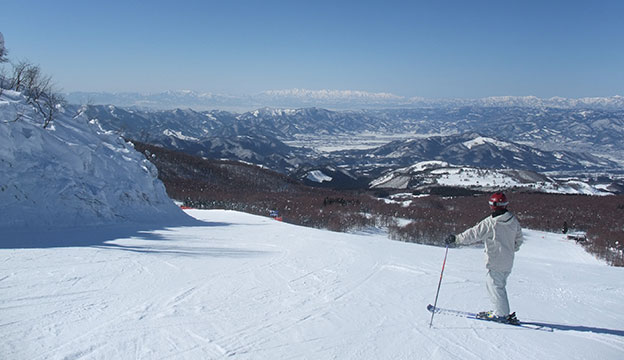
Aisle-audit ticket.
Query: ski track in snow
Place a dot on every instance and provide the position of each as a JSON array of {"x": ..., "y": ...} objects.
[{"x": 248, "y": 287}]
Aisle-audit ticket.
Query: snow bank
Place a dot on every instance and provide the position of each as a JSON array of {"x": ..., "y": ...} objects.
[{"x": 72, "y": 173}]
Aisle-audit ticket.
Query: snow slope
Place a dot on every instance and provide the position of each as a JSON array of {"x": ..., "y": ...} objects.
[
  {"x": 72, "y": 172},
  {"x": 240, "y": 286}
]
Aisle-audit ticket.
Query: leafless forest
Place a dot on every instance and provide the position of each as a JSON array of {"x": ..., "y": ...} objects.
[{"x": 211, "y": 184}]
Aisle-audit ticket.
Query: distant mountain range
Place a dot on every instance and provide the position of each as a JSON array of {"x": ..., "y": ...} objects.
[
  {"x": 332, "y": 99},
  {"x": 592, "y": 131},
  {"x": 553, "y": 141}
]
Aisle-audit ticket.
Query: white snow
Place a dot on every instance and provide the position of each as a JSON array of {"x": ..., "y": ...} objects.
[
  {"x": 179, "y": 135},
  {"x": 318, "y": 176},
  {"x": 425, "y": 165},
  {"x": 72, "y": 173},
  {"x": 486, "y": 140},
  {"x": 247, "y": 287},
  {"x": 475, "y": 177},
  {"x": 393, "y": 180}
]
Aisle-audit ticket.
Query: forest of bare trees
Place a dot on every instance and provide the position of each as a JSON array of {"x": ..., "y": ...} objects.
[{"x": 211, "y": 184}]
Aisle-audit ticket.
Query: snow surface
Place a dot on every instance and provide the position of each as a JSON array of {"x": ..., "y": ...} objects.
[
  {"x": 486, "y": 140},
  {"x": 179, "y": 135},
  {"x": 234, "y": 285},
  {"x": 72, "y": 173},
  {"x": 318, "y": 176}
]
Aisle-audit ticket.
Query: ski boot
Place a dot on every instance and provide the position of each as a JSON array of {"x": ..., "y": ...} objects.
[
  {"x": 489, "y": 315},
  {"x": 512, "y": 319}
]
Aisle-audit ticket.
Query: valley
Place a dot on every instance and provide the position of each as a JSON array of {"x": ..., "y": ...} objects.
[{"x": 353, "y": 149}]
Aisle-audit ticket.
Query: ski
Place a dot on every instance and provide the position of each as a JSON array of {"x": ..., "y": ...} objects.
[{"x": 470, "y": 315}]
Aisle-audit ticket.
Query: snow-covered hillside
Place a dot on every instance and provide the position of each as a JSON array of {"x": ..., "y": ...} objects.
[
  {"x": 72, "y": 173},
  {"x": 427, "y": 174},
  {"x": 247, "y": 287}
]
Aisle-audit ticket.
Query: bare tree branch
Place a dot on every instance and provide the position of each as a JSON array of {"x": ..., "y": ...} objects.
[{"x": 3, "y": 50}]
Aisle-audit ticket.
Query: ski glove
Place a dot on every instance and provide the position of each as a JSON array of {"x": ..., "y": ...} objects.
[{"x": 449, "y": 239}]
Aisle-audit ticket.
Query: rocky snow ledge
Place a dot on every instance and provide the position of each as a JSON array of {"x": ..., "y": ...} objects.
[{"x": 72, "y": 173}]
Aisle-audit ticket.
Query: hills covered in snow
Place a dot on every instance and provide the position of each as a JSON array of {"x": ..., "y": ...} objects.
[
  {"x": 471, "y": 149},
  {"x": 280, "y": 139},
  {"x": 589, "y": 132},
  {"x": 424, "y": 176},
  {"x": 595, "y": 131}
]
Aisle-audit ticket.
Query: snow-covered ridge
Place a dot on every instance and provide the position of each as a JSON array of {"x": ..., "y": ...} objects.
[{"x": 72, "y": 173}]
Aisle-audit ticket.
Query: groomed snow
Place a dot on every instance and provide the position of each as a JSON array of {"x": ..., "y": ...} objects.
[{"x": 234, "y": 285}]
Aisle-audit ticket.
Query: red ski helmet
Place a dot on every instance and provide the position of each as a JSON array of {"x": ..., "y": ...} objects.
[{"x": 498, "y": 201}]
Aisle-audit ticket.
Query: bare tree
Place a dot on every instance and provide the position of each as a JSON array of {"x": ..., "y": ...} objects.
[
  {"x": 3, "y": 50},
  {"x": 48, "y": 106},
  {"x": 36, "y": 86},
  {"x": 3, "y": 80},
  {"x": 38, "y": 90},
  {"x": 19, "y": 72}
]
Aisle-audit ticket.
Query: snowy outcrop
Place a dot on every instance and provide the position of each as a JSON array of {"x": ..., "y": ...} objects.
[
  {"x": 72, "y": 173},
  {"x": 318, "y": 176}
]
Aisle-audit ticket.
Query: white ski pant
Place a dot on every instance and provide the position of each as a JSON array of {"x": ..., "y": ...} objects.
[{"x": 496, "y": 282}]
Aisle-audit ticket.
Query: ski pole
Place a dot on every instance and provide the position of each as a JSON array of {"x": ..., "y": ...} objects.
[{"x": 435, "y": 303}]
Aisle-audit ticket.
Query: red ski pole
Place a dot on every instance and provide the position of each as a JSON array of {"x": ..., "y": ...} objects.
[{"x": 435, "y": 303}]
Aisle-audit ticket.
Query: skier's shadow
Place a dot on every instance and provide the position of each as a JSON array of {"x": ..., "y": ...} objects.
[{"x": 576, "y": 328}]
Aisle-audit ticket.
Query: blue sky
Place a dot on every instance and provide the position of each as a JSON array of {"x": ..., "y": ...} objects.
[{"x": 433, "y": 49}]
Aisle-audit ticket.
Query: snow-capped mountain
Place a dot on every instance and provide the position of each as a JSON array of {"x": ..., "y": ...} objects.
[
  {"x": 334, "y": 99},
  {"x": 72, "y": 172}
]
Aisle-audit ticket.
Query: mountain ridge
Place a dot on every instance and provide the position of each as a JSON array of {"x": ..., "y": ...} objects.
[{"x": 334, "y": 99}]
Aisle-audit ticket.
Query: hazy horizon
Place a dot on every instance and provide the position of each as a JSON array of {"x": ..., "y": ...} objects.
[{"x": 454, "y": 49}]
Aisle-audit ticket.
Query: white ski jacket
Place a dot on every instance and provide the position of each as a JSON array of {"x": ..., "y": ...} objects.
[{"x": 502, "y": 237}]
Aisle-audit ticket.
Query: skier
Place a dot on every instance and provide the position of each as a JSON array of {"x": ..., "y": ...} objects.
[{"x": 502, "y": 235}]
